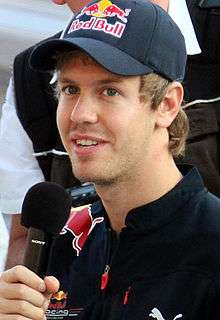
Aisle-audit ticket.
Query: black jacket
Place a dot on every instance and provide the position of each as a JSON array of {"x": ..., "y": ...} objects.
[{"x": 165, "y": 264}]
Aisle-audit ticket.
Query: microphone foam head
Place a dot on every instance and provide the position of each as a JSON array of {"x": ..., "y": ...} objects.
[{"x": 46, "y": 206}]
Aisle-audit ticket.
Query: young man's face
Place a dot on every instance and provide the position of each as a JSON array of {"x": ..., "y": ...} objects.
[{"x": 105, "y": 128}]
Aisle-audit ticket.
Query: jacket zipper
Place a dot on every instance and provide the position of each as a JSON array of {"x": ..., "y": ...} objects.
[
  {"x": 126, "y": 296},
  {"x": 111, "y": 248},
  {"x": 105, "y": 277},
  {"x": 105, "y": 274}
]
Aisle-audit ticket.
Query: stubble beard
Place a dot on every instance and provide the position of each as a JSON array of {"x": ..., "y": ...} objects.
[
  {"x": 103, "y": 179},
  {"x": 110, "y": 175}
]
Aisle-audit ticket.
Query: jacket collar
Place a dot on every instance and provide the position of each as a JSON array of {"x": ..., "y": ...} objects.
[{"x": 161, "y": 211}]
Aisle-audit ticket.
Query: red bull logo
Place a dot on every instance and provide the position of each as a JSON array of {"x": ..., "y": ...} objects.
[
  {"x": 99, "y": 13},
  {"x": 57, "y": 307},
  {"x": 105, "y": 9},
  {"x": 113, "y": 10},
  {"x": 58, "y": 300},
  {"x": 80, "y": 224}
]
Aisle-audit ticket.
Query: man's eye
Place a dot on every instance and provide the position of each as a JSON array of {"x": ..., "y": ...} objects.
[
  {"x": 110, "y": 92},
  {"x": 70, "y": 90}
]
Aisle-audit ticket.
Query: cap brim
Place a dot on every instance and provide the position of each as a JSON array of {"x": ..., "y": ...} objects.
[{"x": 111, "y": 58}]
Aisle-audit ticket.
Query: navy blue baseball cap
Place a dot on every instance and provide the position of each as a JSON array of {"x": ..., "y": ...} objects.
[{"x": 127, "y": 37}]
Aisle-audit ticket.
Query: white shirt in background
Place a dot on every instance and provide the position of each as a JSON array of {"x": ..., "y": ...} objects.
[
  {"x": 19, "y": 169},
  {"x": 179, "y": 13}
]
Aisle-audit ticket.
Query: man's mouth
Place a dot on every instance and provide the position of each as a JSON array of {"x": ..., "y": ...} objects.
[{"x": 86, "y": 143}]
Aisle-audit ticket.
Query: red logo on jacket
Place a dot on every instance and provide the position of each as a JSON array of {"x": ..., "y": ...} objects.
[{"x": 80, "y": 224}]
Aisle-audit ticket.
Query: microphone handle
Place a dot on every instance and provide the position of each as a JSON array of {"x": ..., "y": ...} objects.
[{"x": 37, "y": 251}]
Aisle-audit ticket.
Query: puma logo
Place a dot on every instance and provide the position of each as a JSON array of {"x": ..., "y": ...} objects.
[{"x": 156, "y": 314}]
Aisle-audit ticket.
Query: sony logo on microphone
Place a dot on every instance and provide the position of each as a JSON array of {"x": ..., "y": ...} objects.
[{"x": 38, "y": 242}]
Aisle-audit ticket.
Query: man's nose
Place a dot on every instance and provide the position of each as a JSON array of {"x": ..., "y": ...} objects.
[{"x": 85, "y": 110}]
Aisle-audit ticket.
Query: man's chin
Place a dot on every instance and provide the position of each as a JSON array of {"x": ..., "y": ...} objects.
[
  {"x": 96, "y": 179},
  {"x": 84, "y": 176},
  {"x": 94, "y": 174},
  {"x": 85, "y": 171}
]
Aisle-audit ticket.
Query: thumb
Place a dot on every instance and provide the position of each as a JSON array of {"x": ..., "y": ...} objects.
[{"x": 52, "y": 285}]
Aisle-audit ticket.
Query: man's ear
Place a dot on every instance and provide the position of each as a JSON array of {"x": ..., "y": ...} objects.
[{"x": 170, "y": 105}]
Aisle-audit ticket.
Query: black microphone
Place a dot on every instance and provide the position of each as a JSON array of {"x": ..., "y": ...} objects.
[{"x": 45, "y": 210}]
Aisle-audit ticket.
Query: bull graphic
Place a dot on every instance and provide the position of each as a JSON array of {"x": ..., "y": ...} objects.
[
  {"x": 104, "y": 9},
  {"x": 80, "y": 224},
  {"x": 113, "y": 10},
  {"x": 156, "y": 314},
  {"x": 90, "y": 10}
]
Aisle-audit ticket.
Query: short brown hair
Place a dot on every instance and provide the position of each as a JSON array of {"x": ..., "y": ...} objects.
[{"x": 153, "y": 88}]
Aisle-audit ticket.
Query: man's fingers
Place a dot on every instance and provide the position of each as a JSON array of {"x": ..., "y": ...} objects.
[
  {"x": 18, "y": 291},
  {"x": 24, "y": 295},
  {"x": 21, "y": 308},
  {"x": 13, "y": 317},
  {"x": 25, "y": 276}
]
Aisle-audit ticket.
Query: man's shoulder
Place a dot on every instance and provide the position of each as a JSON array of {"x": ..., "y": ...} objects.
[
  {"x": 208, "y": 222},
  {"x": 211, "y": 205},
  {"x": 209, "y": 210}
]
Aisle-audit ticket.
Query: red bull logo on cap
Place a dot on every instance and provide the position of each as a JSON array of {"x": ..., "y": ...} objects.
[
  {"x": 80, "y": 224},
  {"x": 99, "y": 13},
  {"x": 104, "y": 9}
]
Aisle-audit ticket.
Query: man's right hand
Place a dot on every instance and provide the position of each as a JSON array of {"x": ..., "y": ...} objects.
[{"x": 24, "y": 295}]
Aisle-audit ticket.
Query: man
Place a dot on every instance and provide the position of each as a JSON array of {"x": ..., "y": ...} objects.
[
  {"x": 151, "y": 249},
  {"x": 30, "y": 136}
]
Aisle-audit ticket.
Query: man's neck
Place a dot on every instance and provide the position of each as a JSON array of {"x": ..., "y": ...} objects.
[{"x": 121, "y": 197}]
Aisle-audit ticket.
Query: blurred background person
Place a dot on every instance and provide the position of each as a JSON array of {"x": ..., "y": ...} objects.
[{"x": 202, "y": 93}]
